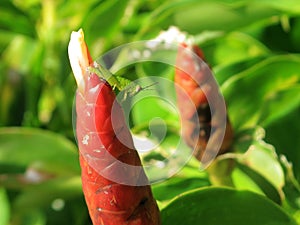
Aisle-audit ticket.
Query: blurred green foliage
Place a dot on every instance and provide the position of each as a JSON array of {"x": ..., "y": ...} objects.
[{"x": 253, "y": 47}]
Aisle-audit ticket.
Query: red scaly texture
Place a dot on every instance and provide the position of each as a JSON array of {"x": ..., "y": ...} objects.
[
  {"x": 98, "y": 134},
  {"x": 192, "y": 87}
]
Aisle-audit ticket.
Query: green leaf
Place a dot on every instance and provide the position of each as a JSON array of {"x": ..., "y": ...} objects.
[
  {"x": 224, "y": 71},
  {"x": 259, "y": 85},
  {"x": 177, "y": 185},
  {"x": 262, "y": 158},
  {"x": 149, "y": 108},
  {"x": 103, "y": 19},
  {"x": 215, "y": 206},
  {"x": 30, "y": 217},
  {"x": 290, "y": 6},
  {"x": 236, "y": 47},
  {"x": 42, "y": 194},
  {"x": 280, "y": 104},
  {"x": 260, "y": 183},
  {"x": 291, "y": 190},
  {"x": 156, "y": 102},
  {"x": 196, "y": 16},
  {"x": 295, "y": 34},
  {"x": 284, "y": 135},
  {"x": 5, "y": 38},
  {"x": 37, "y": 149},
  {"x": 21, "y": 53},
  {"x": 258, "y": 169},
  {"x": 188, "y": 178},
  {"x": 12, "y": 91},
  {"x": 229, "y": 172},
  {"x": 15, "y": 20},
  {"x": 4, "y": 207}
]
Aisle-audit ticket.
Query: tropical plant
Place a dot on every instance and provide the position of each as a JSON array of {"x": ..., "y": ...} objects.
[{"x": 253, "y": 50}]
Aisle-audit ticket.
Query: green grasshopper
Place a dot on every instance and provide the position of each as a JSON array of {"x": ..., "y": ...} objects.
[{"x": 127, "y": 87}]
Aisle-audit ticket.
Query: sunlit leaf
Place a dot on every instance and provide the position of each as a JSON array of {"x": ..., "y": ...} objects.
[
  {"x": 225, "y": 71},
  {"x": 103, "y": 19},
  {"x": 290, "y": 6},
  {"x": 258, "y": 85},
  {"x": 291, "y": 190},
  {"x": 42, "y": 194},
  {"x": 177, "y": 185},
  {"x": 258, "y": 169},
  {"x": 237, "y": 47},
  {"x": 215, "y": 206},
  {"x": 30, "y": 217},
  {"x": 15, "y": 20},
  {"x": 189, "y": 178},
  {"x": 197, "y": 16},
  {"x": 4, "y": 207},
  {"x": 262, "y": 157},
  {"x": 283, "y": 134},
  {"x": 20, "y": 54},
  {"x": 43, "y": 150}
]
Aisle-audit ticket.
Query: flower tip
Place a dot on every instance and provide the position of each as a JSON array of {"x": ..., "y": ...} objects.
[{"x": 78, "y": 56}]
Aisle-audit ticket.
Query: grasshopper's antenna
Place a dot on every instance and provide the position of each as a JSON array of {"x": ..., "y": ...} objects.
[{"x": 148, "y": 86}]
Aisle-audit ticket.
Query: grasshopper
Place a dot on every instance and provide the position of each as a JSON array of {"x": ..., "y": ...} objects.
[{"x": 127, "y": 87}]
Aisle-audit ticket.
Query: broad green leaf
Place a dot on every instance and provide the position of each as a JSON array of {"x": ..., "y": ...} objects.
[
  {"x": 150, "y": 108},
  {"x": 220, "y": 173},
  {"x": 215, "y": 15},
  {"x": 229, "y": 172},
  {"x": 291, "y": 190},
  {"x": 280, "y": 104},
  {"x": 26, "y": 4},
  {"x": 236, "y": 47},
  {"x": 30, "y": 217},
  {"x": 242, "y": 180},
  {"x": 289, "y": 6},
  {"x": 5, "y": 38},
  {"x": 177, "y": 185},
  {"x": 259, "y": 85},
  {"x": 215, "y": 206},
  {"x": 156, "y": 102},
  {"x": 263, "y": 158},
  {"x": 42, "y": 194},
  {"x": 188, "y": 178},
  {"x": 295, "y": 35},
  {"x": 4, "y": 207},
  {"x": 21, "y": 54},
  {"x": 196, "y": 16},
  {"x": 284, "y": 135},
  {"x": 166, "y": 155},
  {"x": 71, "y": 211},
  {"x": 224, "y": 71},
  {"x": 66, "y": 10},
  {"x": 259, "y": 182},
  {"x": 156, "y": 68},
  {"x": 103, "y": 19},
  {"x": 48, "y": 102},
  {"x": 15, "y": 20},
  {"x": 258, "y": 169},
  {"x": 12, "y": 91},
  {"x": 37, "y": 149}
]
